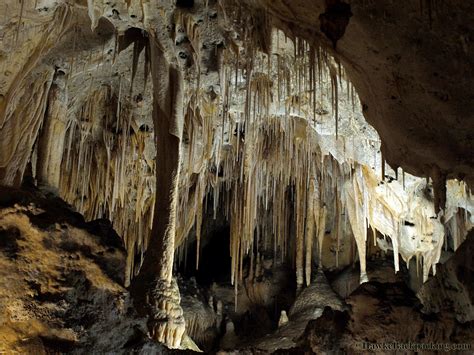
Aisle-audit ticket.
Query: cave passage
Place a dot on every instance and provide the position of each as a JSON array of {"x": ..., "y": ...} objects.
[{"x": 215, "y": 260}]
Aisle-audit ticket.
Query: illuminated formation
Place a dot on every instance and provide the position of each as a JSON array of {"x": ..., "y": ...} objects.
[{"x": 175, "y": 120}]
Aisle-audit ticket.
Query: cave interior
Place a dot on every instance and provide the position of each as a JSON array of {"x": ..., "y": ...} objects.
[{"x": 236, "y": 177}]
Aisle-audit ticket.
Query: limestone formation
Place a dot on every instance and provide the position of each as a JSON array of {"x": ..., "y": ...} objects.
[{"x": 244, "y": 152}]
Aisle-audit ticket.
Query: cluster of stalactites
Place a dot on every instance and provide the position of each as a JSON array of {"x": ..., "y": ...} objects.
[
  {"x": 406, "y": 215},
  {"x": 105, "y": 172},
  {"x": 272, "y": 184},
  {"x": 256, "y": 154}
]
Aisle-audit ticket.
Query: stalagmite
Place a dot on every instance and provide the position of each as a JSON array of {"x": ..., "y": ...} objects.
[
  {"x": 283, "y": 318},
  {"x": 230, "y": 339}
]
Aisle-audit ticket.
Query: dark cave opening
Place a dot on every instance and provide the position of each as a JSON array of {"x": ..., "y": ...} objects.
[
  {"x": 214, "y": 258},
  {"x": 187, "y": 4}
]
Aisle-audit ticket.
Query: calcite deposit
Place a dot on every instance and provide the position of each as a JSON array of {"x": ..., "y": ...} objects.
[{"x": 250, "y": 157}]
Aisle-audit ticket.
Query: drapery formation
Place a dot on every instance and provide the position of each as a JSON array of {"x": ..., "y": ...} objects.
[{"x": 26, "y": 90}]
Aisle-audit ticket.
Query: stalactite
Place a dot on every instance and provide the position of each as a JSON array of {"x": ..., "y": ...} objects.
[
  {"x": 335, "y": 104},
  {"x": 92, "y": 14},
  {"x": 382, "y": 173},
  {"x": 20, "y": 19},
  {"x": 357, "y": 208}
]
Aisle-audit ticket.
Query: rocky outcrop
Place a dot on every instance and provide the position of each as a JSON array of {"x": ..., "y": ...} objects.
[
  {"x": 382, "y": 317},
  {"x": 308, "y": 306},
  {"x": 61, "y": 282}
]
